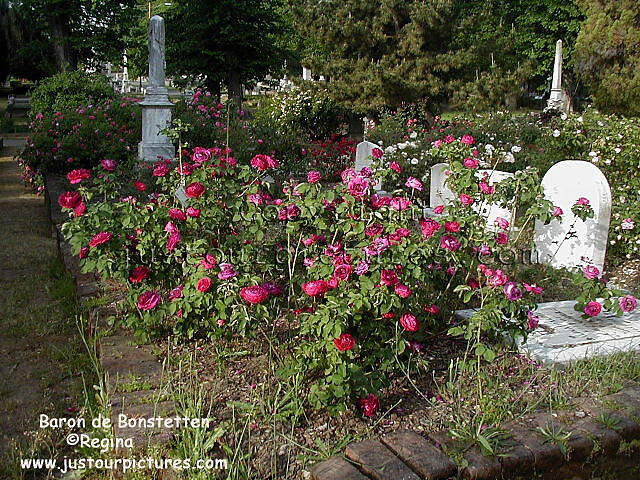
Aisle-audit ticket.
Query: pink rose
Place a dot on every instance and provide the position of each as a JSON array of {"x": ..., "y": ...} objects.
[
  {"x": 176, "y": 293},
  {"x": 377, "y": 153},
  {"x": 389, "y": 277},
  {"x": 316, "y": 288},
  {"x": 414, "y": 183},
  {"x": 557, "y": 211},
  {"x": 433, "y": 309},
  {"x": 370, "y": 405},
  {"x": 193, "y": 212},
  {"x": 409, "y": 322},
  {"x": 177, "y": 214},
  {"x": 69, "y": 199},
  {"x": 255, "y": 294},
  {"x": 465, "y": 199},
  {"x": 438, "y": 210},
  {"x": 502, "y": 238},
  {"x": 628, "y": 303},
  {"x": 486, "y": 188},
  {"x": 591, "y": 272},
  {"x": 100, "y": 238},
  {"x": 592, "y": 309},
  {"x": 204, "y": 284},
  {"x": 194, "y": 190},
  {"x": 108, "y": 164},
  {"x": 532, "y": 320},
  {"x": 452, "y": 227},
  {"x": 399, "y": 203},
  {"x": 173, "y": 241},
  {"x": 582, "y": 201},
  {"x": 512, "y": 291},
  {"x": 149, "y": 300},
  {"x": 313, "y": 176},
  {"x": 533, "y": 288},
  {"x": 402, "y": 290},
  {"x": 160, "y": 170},
  {"x": 449, "y": 242},
  {"x": 208, "y": 262},
  {"x": 345, "y": 342},
  {"x": 502, "y": 223},
  {"x": 471, "y": 162},
  {"x": 80, "y": 210},
  {"x": 84, "y": 251},
  {"x": 78, "y": 175},
  {"x": 200, "y": 155},
  {"x": 227, "y": 271},
  {"x": 467, "y": 140},
  {"x": 263, "y": 162},
  {"x": 395, "y": 166},
  {"x": 358, "y": 186}
]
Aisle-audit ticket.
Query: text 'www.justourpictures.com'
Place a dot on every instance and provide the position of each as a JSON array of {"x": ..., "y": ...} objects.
[{"x": 122, "y": 464}]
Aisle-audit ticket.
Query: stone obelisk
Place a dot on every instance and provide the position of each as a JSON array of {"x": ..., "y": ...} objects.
[
  {"x": 156, "y": 107},
  {"x": 556, "y": 98}
]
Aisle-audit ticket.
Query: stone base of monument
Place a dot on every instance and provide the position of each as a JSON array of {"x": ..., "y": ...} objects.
[
  {"x": 154, "y": 152},
  {"x": 563, "y": 336}
]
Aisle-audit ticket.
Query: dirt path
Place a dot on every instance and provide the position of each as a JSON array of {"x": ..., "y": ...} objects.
[{"x": 40, "y": 352}]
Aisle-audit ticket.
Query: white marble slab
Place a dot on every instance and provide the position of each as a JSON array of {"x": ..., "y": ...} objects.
[{"x": 563, "y": 336}]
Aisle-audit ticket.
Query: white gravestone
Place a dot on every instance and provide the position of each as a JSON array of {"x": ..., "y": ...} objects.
[
  {"x": 364, "y": 158},
  {"x": 572, "y": 242},
  {"x": 564, "y": 336},
  {"x": 440, "y": 194}
]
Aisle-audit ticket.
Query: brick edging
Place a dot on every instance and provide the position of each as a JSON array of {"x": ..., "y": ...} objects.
[{"x": 407, "y": 455}]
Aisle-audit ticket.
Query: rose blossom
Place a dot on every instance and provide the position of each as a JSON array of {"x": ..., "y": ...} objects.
[
  {"x": 358, "y": 186},
  {"x": 362, "y": 268},
  {"x": 342, "y": 272},
  {"x": 173, "y": 241},
  {"x": 193, "y": 212},
  {"x": 465, "y": 199},
  {"x": 486, "y": 188},
  {"x": 592, "y": 309},
  {"x": 467, "y": 140},
  {"x": 533, "y": 288},
  {"x": 377, "y": 153},
  {"x": 438, "y": 210},
  {"x": 313, "y": 176},
  {"x": 414, "y": 183},
  {"x": 402, "y": 290},
  {"x": 262, "y": 162},
  {"x": 395, "y": 166},
  {"x": 374, "y": 230},
  {"x": 369, "y": 404},
  {"x": 409, "y": 322},
  {"x": 176, "y": 293},
  {"x": 204, "y": 284},
  {"x": 471, "y": 162},
  {"x": 532, "y": 320},
  {"x": 449, "y": 242},
  {"x": 140, "y": 186},
  {"x": 582, "y": 201},
  {"x": 497, "y": 278},
  {"x": 512, "y": 291},
  {"x": 138, "y": 274},
  {"x": 345, "y": 342},
  {"x": 160, "y": 170},
  {"x": 84, "y": 251},
  {"x": 69, "y": 199},
  {"x": 502, "y": 223},
  {"x": 254, "y": 294},
  {"x": 78, "y": 175},
  {"x": 200, "y": 155},
  {"x": 433, "y": 309},
  {"x": 80, "y": 210},
  {"x": 272, "y": 288},
  {"x": 194, "y": 190},
  {"x": 591, "y": 272},
  {"x": 177, "y": 214},
  {"x": 208, "y": 261},
  {"x": 628, "y": 303},
  {"x": 399, "y": 203},
  {"x": 452, "y": 227},
  {"x": 389, "y": 277},
  {"x": 316, "y": 288},
  {"x": 502, "y": 238},
  {"x": 149, "y": 300},
  {"x": 108, "y": 164},
  {"x": 227, "y": 271},
  {"x": 100, "y": 238},
  {"x": 557, "y": 211}
]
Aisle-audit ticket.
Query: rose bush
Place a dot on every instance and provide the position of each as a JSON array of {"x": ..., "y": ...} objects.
[{"x": 361, "y": 280}]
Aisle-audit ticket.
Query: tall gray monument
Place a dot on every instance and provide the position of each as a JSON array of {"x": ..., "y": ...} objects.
[
  {"x": 558, "y": 99},
  {"x": 156, "y": 107}
]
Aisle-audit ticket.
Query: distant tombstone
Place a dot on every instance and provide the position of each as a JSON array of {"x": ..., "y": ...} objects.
[
  {"x": 439, "y": 193},
  {"x": 572, "y": 242},
  {"x": 306, "y": 74},
  {"x": 364, "y": 158}
]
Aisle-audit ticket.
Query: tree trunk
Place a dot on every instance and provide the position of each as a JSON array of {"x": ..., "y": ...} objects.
[
  {"x": 235, "y": 87},
  {"x": 64, "y": 57}
]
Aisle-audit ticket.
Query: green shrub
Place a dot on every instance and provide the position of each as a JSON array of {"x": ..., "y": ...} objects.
[{"x": 70, "y": 90}]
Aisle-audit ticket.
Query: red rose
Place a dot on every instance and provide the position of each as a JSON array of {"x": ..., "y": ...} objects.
[
  {"x": 76, "y": 176},
  {"x": 141, "y": 187},
  {"x": 108, "y": 164},
  {"x": 193, "y": 212},
  {"x": 313, "y": 176},
  {"x": 138, "y": 274},
  {"x": 254, "y": 294},
  {"x": 369, "y": 404},
  {"x": 161, "y": 170},
  {"x": 69, "y": 199},
  {"x": 342, "y": 272},
  {"x": 204, "y": 284},
  {"x": 149, "y": 300},
  {"x": 433, "y": 309},
  {"x": 316, "y": 288},
  {"x": 195, "y": 190},
  {"x": 389, "y": 277},
  {"x": 100, "y": 238},
  {"x": 452, "y": 227},
  {"x": 80, "y": 210},
  {"x": 177, "y": 214},
  {"x": 409, "y": 322},
  {"x": 389, "y": 315},
  {"x": 345, "y": 342},
  {"x": 593, "y": 309},
  {"x": 262, "y": 162},
  {"x": 84, "y": 251}
]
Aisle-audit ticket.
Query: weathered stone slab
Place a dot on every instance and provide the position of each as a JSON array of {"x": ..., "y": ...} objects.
[
  {"x": 420, "y": 454},
  {"x": 607, "y": 440},
  {"x": 564, "y": 336},
  {"x": 378, "y": 462},
  {"x": 480, "y": 467},
  {"x": 336, "y": 468}
]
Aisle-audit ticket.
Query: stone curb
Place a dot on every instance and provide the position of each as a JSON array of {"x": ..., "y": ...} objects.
[
  {"x": 407, "y": 455},
  {"x": 126, "y": 366}
]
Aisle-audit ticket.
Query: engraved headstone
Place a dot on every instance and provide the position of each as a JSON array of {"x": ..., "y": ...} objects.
[
  {"x": 572, "y": 242},
  {"x": 156, "y": 107}
]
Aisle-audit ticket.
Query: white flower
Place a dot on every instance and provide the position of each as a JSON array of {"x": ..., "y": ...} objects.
[
  {"x": 556, "y": 133},
  {"x": 414, "y": 161},
  {"x": 402, "y": 146},
  {"x": 593, "y": 154},
  {"x": 413, "y": 134},
  {"x": 563, "y": 116},
  {"x": 617, "y": 150},
  {"x": 595, "y": 159},
  {"x": 600, "y": 124},
  {"x": 580, "y": 119},
  {"x": 516, "y": 149},
  {"x": 489, "y": 149},
  {"x": 509, "y": 158}
]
